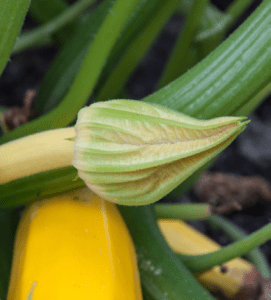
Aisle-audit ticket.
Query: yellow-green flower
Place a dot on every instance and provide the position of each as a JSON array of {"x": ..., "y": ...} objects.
[{"x": 133, "y": 153}]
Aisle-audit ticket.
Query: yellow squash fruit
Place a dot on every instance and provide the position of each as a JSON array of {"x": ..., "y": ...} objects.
[
  {"x": 36, "y": 153},
  {"x": 74, "y": 246},
  {"x": 184, "y": 239}
]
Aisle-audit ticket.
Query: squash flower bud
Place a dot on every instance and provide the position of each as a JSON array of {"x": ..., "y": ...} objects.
[{"x": 134, "y": 153}]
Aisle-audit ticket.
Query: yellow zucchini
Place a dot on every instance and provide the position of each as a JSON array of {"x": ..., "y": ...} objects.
[
  {"x": 74, "y": 246},
  {"x": 184, "y": 239},
  {"x": 36, "y": 153}
]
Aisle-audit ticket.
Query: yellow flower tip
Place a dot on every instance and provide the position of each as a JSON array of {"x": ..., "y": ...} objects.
[{"x": 134, "y": 153}]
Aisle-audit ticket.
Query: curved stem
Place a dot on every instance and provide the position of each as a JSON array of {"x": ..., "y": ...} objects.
[
  {"x": 198, "y": 263},
  {"x": 235, "y": 233}
]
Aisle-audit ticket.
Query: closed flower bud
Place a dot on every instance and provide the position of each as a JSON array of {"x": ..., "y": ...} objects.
[{"x": 134, "y": 153}]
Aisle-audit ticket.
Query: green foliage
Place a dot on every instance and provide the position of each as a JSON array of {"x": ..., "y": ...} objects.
[
  {"x": 12, "y": 16},
  {"x": 98, "y": 51}
]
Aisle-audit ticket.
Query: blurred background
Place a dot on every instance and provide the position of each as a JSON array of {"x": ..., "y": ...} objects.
[{"x": 248, "y": 155}]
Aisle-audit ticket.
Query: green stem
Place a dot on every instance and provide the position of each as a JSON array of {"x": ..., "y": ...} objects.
[
  {"x": 183, "y": 43},
  {"x": 31, "y": 39},
  {"x": 86, "y": 77},
  {"x": 199, "y": 263},
  {"x": 237, "y": 8},
  {"x": 162, "y": 274},
  {"x": 227, "y": 78},
  {"x": 186, "y": 212},
  {"x": 136, "y": 51},
  {"x": 235, "y": 233}
]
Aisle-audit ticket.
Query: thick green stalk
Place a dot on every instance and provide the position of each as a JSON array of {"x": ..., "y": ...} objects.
[
  {"x": 199, "y": 263},
  {"x": 186, "y": 212},
  {"x": 85, "y": 79},
  {"x": 235, "y": 233},
  {"x": 229, "y": 77},
  {"x": 31, "y": 39},
  {"x": 183, "y": 43},
  {"x": 12, "y": 14},
  {"x": 162, "y": 274}
]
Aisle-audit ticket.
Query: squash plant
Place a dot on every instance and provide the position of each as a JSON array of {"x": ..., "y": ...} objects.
[{"x": 120, "y": 143}]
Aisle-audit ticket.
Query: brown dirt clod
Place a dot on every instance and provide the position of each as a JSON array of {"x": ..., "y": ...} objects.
[
  {"x": 17, "y": 116},
  {"x": 228, "y": 192}
]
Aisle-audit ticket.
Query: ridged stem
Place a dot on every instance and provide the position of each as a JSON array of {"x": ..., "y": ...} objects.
[{"x": 229, "y": 77}]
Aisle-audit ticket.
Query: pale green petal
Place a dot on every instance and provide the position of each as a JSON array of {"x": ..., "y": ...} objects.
[
  {"x": 121, "y": 155},
  {"x": 134, "y": 153},
  {"x": 106, "y": 177}
]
